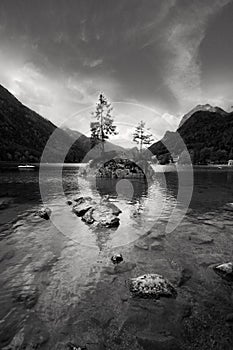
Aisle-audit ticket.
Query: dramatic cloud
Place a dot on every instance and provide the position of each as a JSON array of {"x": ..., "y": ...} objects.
[{"x": 166, "y": 55}]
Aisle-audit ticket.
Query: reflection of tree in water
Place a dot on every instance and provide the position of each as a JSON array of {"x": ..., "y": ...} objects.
[
  {"x": 122, "y": 178},
  {"x": 103, "y": 235},
  {"x": 128, "y": 189}
]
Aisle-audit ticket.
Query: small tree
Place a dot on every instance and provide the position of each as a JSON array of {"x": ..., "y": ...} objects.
[
  {"x": 142, "y": 136},
  {"x": 103, "y": 127}
]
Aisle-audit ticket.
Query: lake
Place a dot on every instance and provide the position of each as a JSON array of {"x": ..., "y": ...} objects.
[{"x": 58, "y": 283}]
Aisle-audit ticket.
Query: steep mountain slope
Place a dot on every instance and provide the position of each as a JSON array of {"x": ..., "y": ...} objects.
[
  {"x": 208, "y": 137},
  {"x": 204, "y": 108},
  {"x": 24, "y": 134}
]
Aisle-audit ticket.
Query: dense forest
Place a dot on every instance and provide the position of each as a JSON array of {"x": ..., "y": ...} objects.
[{"x": 208, "y": 137}]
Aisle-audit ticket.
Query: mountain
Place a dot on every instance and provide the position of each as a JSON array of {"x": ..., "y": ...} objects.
[
  {"x": 95, "y": 152},
  {"x": 204, "y": 108},
  {"x": 24, "y": 134},
  {"x": 207, "y": 134}
]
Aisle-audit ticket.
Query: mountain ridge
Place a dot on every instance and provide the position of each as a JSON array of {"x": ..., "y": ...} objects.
[
  {"x": 207, "y": 134},
  {"x": 206, "y": 107}
]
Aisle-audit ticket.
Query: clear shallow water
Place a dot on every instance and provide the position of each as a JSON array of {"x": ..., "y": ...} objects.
[{"x": 58, "y": 283}]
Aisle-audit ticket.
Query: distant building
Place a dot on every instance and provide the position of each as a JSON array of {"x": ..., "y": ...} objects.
[{"x": 230, "y": 162}]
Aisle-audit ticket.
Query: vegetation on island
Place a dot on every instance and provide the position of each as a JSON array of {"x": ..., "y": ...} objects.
[
  {"x": 142, "y": 136},
  {"x": 103, "y": 127}
]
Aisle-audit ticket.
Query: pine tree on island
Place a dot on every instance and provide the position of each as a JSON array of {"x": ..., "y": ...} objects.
[
  {"x": 142, "y": 136},
  {"x": 103, "y": 126}
]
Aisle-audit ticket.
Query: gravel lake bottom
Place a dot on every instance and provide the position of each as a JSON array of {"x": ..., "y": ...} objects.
[{"x": 58, "y": 284}]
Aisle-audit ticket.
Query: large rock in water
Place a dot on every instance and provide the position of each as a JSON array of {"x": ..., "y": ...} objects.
[
  {"x": 83, "y": 204},
  {"x": 152, "y": 286},
  {"x": 45, "y": 213},
  {"x": 120, "y": 168},
  {"x": 103, "y": 213}
]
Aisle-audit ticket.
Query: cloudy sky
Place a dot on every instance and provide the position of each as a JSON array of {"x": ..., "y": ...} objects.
[{"x": 154, "y": 59}]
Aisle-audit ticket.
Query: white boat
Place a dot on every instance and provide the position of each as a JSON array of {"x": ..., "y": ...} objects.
[{"x": 26, "y": 167}]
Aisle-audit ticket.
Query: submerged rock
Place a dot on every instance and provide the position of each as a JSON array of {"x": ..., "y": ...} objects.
[
  {"x": 156, "y": 245},
  {"x": 28, "y": 295},
  {"x": 117, "y": 258},
  {"x": 152, "y": 286},
  {"x": 186, "y": 275},
  {"x": 216, "y": 224},
  {"x": 141, "y": 244},
  {"x": 225, "y": 271},
  {"x": 45, "y": 213},
  {"x": 46, "y": 262},
  {"x": 69, "y": 202},
  {"x": 5, "y": 203},
  {"x": 156, "y": 234},
  {"x": 201, "y": 238},
  {"x": 228, "y": 207}
]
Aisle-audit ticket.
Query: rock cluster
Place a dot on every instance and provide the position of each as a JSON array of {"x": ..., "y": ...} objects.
[
  {"x": 152, "y": 286},
  {"x": 103, "y": 213}
]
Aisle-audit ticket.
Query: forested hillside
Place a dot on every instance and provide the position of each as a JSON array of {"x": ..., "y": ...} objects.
[{"x": 208, "y": 137}]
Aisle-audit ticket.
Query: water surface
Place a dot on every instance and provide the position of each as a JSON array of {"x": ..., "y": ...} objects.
[{"x": 58, "y": 283}]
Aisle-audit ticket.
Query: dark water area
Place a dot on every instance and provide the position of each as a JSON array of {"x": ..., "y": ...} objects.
[{"x": 58, "y": 283}]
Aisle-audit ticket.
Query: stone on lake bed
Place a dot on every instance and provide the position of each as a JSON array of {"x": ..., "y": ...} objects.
[
  {"x": 225, "y": 270},
  {"x": 141, "y": 245},
  {"x": 201, "y": 238},
  {"x": 218, "y": 225},
  {"x": 152, "y": 286},
  {"x": 28, "y": 295},
  {"x": 45, "y": 213},
  {"x": 156, "y": 245},
  {"x": 156, "y": 235},
  {"x": 228, "y": 207},
  {"x": 5, "y": 202}
]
